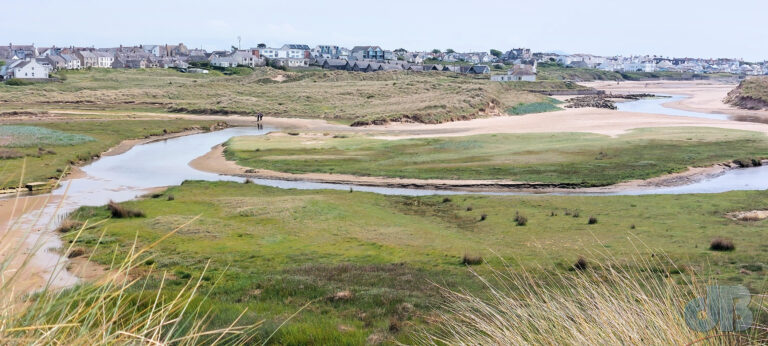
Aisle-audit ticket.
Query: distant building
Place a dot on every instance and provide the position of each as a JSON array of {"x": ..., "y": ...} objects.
[
  {"x": 26, "y": 69},
  {"x": 367, "y": 53},
  {"x": 87, "y": 58},
  {"x": 525, "y": 73}
]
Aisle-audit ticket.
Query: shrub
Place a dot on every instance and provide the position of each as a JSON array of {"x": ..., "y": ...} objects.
[
  {"x": 521, "y": 220},
  {"x": 471, "y": 260},
  {"x": 721, "y": 244},
  {"x": 447, "y": 200},
  {"x": 68, "y": 225},
  {"x": 592, "y": 220},
  {"x": 76, "y": 252},
  {"x": 120, "y": 212},
  {"x": 17, "y": 82},
  {"x": 581, "y": 264}
]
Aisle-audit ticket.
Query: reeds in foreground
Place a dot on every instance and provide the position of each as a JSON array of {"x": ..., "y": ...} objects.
[{"x": 604, "y": 305}]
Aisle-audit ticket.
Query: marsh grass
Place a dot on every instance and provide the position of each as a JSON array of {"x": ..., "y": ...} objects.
[
  {"x": 121, "y": 212},
  {"x": 606, "y": 305}
]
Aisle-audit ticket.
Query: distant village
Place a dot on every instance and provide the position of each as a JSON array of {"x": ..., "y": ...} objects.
[{"x": 520, "y": 64}]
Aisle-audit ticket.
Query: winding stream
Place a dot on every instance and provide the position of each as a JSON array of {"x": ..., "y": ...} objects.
[{"x": 166, "y": 163}]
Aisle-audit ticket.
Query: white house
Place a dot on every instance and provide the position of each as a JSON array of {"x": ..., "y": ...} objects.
[
  {"x": 104, "y": 59},
  {"x": 26, "y": 69},
  {"x": 71, "y": 62},
  {"x": 526, "y": 73}
]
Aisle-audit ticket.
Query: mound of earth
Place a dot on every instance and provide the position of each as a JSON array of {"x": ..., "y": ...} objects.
[{"x": 752, "y": 93}]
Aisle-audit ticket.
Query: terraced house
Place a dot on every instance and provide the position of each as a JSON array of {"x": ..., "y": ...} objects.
[{"x": 367, "y": 53}]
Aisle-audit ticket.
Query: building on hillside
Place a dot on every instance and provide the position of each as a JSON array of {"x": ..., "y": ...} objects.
[
  {"x": 367, "y": 53},
  {"x": 526, "y": 73},
  {"x": 104, "y": 59},
  {"x": 87, "y": 58},
  {"x": 71, "y": 62},
  {"x": 479, "y": 69},
  {"x": 26, "y": 69}
]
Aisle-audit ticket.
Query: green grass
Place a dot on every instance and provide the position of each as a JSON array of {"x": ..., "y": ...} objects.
[
  {"x": 536, "y": 107},
  {"x": 20, "y": 136},
  {"x": 281, "y": 249},
  {"x": 559, "y": 158},
  {"x": 49, "y": 147},
  {"x": 333, "y": 95}
]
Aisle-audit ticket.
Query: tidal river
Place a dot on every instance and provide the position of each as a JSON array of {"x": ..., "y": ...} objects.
[{"x": 165, "y": 163}]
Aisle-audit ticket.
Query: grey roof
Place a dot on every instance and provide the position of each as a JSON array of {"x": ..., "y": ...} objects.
[{"x": 297, "y": 46}]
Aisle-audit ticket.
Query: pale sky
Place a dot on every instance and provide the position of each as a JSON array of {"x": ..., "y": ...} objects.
[{"x": 700, "y": 28}]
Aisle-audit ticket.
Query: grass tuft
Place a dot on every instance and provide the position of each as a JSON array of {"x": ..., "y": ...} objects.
[
  {"x": 721, "y": 244},
  {"x": 120, "y": 212}
]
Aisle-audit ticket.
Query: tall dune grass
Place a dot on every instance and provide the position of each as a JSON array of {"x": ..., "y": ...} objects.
[{"x": 604, "y": 305}]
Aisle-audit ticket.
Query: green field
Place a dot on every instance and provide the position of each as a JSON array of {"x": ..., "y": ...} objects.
[
  {"x": 49, "y": 147},
  {"x": 429, "y": 97},
  {"x": 579, "y": 159},
  {"x": 278, "y": 250}
]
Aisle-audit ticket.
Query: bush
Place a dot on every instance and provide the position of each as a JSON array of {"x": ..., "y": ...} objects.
[
  {"x": 721, "y": 244},
  {"x": 17, "y": 82},
  {"x": 69, "y": 225},
  {"x": 447, "y": 200},
  {"x": 471, "y": 260},
  {"x": 592, "y": 220},
  {"x": 581, "y": 264},
  {"x": 120, "y": 212},
  {"x": 76, "y": 252},
  {"x": 521, "y": 220}
]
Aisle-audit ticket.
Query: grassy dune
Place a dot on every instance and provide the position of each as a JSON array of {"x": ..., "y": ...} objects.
[
  {"x": 752, "y": 93},
  {"x": 334, "y": 95},
  {"x": 365, "y": 262},
  {"x": 57, "y": 145},
  {"x": 559, "y": 158}
]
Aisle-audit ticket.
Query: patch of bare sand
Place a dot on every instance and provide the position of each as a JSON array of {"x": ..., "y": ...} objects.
[{"x": 215, "y": 162}]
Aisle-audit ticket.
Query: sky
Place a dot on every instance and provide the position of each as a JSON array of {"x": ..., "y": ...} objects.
[{"x": 675, "y": 28}]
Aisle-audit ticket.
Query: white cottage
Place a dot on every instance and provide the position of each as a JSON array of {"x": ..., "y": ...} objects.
[{"x": 26, "y": 69}]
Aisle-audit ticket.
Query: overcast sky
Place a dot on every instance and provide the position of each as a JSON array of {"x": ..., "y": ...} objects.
[{"x": 701, "y": 28}]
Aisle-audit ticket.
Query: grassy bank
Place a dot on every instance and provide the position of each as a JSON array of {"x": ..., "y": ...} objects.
[
  {"x": 335, "y": 95},
  {"x": 49, "y": 147},
  {"x": 365, "y": 261},
  {"x": 568, "y": 158},
  {"x": 752, "y": 93}
]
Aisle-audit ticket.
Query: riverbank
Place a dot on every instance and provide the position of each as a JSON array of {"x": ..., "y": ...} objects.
[
  {"x": 215, "y": 162},
  {"x": 702, "y": 96}
]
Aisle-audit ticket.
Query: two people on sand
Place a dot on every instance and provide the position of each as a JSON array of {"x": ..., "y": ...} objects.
[{"x": 259, "y": 116}]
